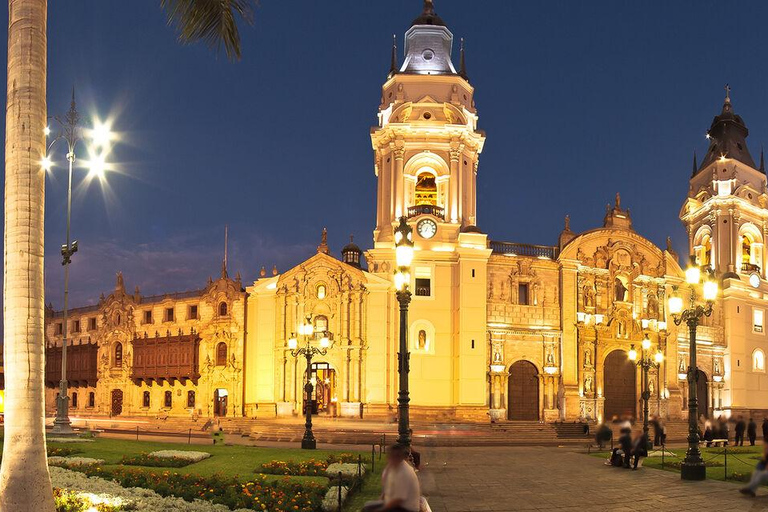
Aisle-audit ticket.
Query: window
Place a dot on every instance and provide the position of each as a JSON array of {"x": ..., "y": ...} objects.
[
  {"x": 169, "y": 314},
  {"x": 91, "y": 399},
  {"x": 76, "y": 326},
  {"x": 118, "y": 319},
  {"x": 193, "y": 312},
  {"x": 92, "y": 324},
  {"x": 59, "y": 328},
  {"x": 321, "y": 291},
  {"x": 321, "y": 323},
  {"x": 190, "y": 398},
  {"x": 168, "y": 399},
  {"x": 423, "y": 287},
  {"x": 757, "y": 320},
  {"x": 119, "y": 354},
  {"x": 223, "y": 309},
  {"x": 706, "y": 251},
  {"x": 148, "y": 316},
  {"x": 426, "y": 189},
  {"x": 74, "y": 400},
  {"x": 746, "y": 248},
  {"x": 522, "y": 294},
  {"x": 145, "y": 401},
  {"x": 758, "y": 360},
  {"x": 221, "y": 354}
]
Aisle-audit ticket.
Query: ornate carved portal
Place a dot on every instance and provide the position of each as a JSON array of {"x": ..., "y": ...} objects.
[{"x": 117, "y": 402}]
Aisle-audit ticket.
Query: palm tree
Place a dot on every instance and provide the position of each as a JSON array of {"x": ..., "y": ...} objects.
[{"x": 25, "y": 484}]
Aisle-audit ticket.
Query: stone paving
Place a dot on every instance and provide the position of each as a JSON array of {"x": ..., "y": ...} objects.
[{"x": 540, "y": 478}]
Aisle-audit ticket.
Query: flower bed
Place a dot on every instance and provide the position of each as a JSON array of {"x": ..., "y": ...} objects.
[
  {"x": 258, "y": 493},
  {"x": 73, "y": 461},
  {"x": 347, "y": 470},
  {"x": 62, "y": 452},
  {"x": 310, "y": 467},
  {"x": 73, "y": 501},
  {"x": 188, "y": 455},
  {"x": 147, "y": 459}
]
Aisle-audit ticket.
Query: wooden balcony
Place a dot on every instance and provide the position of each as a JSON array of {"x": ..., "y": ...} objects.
[
  {"x": 82, "y": 365},
  {"x": 166, "y": 358},
  {"x": 750, "y": 267},
  {"x": 538, "y": 251},
  {"x": 426, "y": 209}
]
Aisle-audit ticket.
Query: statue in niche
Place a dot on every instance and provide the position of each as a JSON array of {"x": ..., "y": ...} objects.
[
  {"x": 550, "y": 359},
  {"x": 653, "y": 306},
  {"x": 588, "y": 384},
  {"x": 490, "y": 288},
  {"x": 621, "y": 328},
  {"x": 620, "y": 290},
  {"x": 589, "y": 296},
  {"x": 588, "y": 357},
  {"x": 497, "y": 357},
  {"x": 717, "y": 367},
  {"x": 422, "y": 341},
  {"x": 651, "y": 387}
]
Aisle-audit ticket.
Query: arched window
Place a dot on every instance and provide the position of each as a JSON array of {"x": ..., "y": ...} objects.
[
  {"x": 426, "y": 189},
  {"x": 118, "y": 319},
  {"x": 168, "y": 399},
  {"x": 74, "y": 400},
  {"x": 746, "y": 248},
  {"x": 190, "y": 398},
  {"x": 145, "y": 402},
  {"x": 91, "y": 399},
  {"x": 118, "y": 354},
  {"x": 223, "y": 308},
  {"x": 706, "y": 251},
  {"x": 758, "y": 360},
  {"x": 221, "y": 354},
  {"x": 321, "y": 323}
]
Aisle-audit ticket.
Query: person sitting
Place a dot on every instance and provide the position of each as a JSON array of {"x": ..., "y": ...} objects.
[
  {"x": 625, "y": 442},
  {"x": 708, "y": 435},
  {"x": 400, "y": 485},
  {"x": 759, "y": 475}
]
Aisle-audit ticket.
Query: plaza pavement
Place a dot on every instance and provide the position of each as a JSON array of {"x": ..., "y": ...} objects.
[{"x": 542, "y": 478}]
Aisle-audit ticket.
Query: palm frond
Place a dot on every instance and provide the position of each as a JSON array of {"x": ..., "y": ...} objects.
[{"x": 213, "y": 22}]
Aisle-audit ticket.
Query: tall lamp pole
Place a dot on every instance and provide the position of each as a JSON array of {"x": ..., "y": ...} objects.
[
  {"x": 71, "y": 133},
  {"x": 693, "y": 467},
  {"x": 308, "y": 350},
  {"x": 646, "y": 362},
  {"x": 404, "y": 258}
]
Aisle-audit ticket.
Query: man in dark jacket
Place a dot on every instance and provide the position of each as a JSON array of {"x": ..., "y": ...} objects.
[
  {"x": 625, "y": 441},
  {"x": 740, "y": 428},
  {"x": 751, "y": 432},
  {"x": 765, "y": 429}
]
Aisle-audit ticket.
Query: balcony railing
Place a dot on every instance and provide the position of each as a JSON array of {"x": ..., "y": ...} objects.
[
  {"x": 750, "y": 267},
  {"x": 426, "y": 209},
  {"x": 537, "y": 251}
]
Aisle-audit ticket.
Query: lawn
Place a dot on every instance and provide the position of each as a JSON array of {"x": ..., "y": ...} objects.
[{"x": 740, "y": 461}]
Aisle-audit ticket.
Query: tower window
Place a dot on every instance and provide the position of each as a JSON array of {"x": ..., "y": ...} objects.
[
  {"x": 223, "y": 309},
  {"x": 426, "y": 189},
  {"x": 148, "y": 316},
  {"x": 74, "y": 400},
  {"x": 193, "y": 312},
  {"x": 221, "y": 354},
  {"x": 118, "y": 355},
  {"x": 168, "y": 399},
  {"x": 758, "y": 321},
  {"x": 758, "y": 361},
  {"x": 91, "y": 399},
  {"x": 169, "y": 314},
  {"x": 92, "y": 324},
  {"x": 145, "y": 401},
  {"x": 423, "y": 287},
  {"x": 522, "y": 294},
  {"x": 190, "y": 398}
]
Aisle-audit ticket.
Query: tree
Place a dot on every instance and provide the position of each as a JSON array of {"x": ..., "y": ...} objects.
[{"x": 25, "y": 484}]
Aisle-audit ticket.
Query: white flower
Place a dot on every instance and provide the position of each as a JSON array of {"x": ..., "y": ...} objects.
[
  {"x": 331, "y": 499},
  {"x": 181, "y": 454},
  {"x": 73, "y": 461},
  {"x": 349, "y": 469}
]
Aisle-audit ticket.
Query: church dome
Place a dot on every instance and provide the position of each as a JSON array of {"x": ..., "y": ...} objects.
[{"x": 351, "y": 254}]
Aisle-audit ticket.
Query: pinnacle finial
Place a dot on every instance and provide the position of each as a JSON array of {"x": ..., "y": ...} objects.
[
  {"x": 462, "y": 62},
  {"x": 429, "y": 7},
  {"x": 323, "y": 247},
  {"x": 727, "y": 93},
  {"x": 762, "y": 159},
  {"x": 618, "y": 201},
  {"x": 393, "y": 64},
  {"x": 695, "y": 163}
]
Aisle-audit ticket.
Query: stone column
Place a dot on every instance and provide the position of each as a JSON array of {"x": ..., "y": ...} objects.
[
  {"x": 398, "y": 185},
  {"x": 452, "y": 212}
]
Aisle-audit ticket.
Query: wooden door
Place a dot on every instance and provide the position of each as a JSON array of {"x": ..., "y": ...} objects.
[
  {"x": 117, "y": 402},
  {"x": 619, "y": 386},
  {"x": 523, "y": 393}
]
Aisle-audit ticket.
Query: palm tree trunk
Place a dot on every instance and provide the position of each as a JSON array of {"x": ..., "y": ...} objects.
[{"x": 25, "y": 484}]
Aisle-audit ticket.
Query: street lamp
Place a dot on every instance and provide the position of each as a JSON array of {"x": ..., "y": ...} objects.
[
  {"x": 308, "y": 350},
  {"x": 404, "y": 258},
  {"x": 693, "y": 467},
  {"x": 646, "y": 362},
  {"x": 70, "y": 132}
]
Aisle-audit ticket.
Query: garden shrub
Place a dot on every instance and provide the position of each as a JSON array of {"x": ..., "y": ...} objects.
[{"x": 149, "y": 460}]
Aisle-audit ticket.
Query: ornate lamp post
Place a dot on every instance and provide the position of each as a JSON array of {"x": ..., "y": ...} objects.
[
  {"x": 646, "y": 362},
  {"x": 308, "y": 350},
  {"x": 404, "y": 257},
  {"x": 71, "y": 132},
  {"x": 693, "y": 466}
]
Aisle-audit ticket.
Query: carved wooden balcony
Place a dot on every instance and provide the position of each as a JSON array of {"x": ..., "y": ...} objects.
[
  {"x": 166, "y": 358},
  {"x": 82, "y": 365},
  {"x": 538, "y": 251}
]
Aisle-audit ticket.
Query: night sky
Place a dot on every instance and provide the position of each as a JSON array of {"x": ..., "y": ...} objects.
[{"x": 579, "y": 100}]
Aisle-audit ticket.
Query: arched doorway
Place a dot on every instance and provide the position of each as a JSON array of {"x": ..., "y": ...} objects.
[
  {"x": 523, "y": 393},
  {"x": 324, "y": 397},
  {"x": 220, "y": 402},
  {"x": 117, "y": 402},
  {"x": 702, "y": 393},
  {"x": 619, "y": 386}
]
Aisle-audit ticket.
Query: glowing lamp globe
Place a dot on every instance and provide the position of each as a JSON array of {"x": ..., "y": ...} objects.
[
  {"x": 324, "y": 342},
  {"x": 632, "y": 354},
  {"x": 293, "y": 343},
  {"x": 675, "y": 304},
  {"x": 710, "y": 290},
  {"x": 646, "y": 343},
  {"x": 693, "y": 275},
  {"x": 659, "y": 357}
]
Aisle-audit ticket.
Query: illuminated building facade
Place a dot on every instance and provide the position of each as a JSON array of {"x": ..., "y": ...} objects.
[{"x": 497, "y": 330}]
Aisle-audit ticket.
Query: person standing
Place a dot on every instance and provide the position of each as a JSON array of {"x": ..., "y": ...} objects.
[
  {"x": 740, "y": 428},
  {"x": 759, "y": 475},
  {"x": 625, "y": 441},
  {"x": 656, "y": 424},
  {"x": 752, "y": 432},
  {"x": 400, "y": 485},
  {"x": 765, "y": 429},
  {"x": 639, "y": 448}
]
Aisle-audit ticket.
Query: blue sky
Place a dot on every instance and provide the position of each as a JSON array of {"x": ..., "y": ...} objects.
[{"x": 579, "y": 100}]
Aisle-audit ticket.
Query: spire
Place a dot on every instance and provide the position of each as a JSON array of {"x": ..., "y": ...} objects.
[
  {"x": 428, "y": 15},
  {"x": 120, "y": 284},
  {"x": 393, "y": 64},
  {"x": 727, "y": 137},
  {"x": 323, "y": 247},
  {"x": 226, "y": 244},
  {"x": 462, "y": 63},
  {"x": 695, "y": 164}
]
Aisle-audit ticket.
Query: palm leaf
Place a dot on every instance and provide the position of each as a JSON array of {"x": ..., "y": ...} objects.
[{"x": 213, "y": 22}]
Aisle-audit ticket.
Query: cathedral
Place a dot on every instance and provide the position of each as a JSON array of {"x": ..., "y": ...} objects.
[{"x": 497, "y": 330}]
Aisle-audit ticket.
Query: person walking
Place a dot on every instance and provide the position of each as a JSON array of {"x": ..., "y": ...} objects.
[
  {"x": 765, "y": 429},
  {"x": 656, "y": 424},
  {"x": 639, "y": 448},
  {"x": 400, "y": 486},
  {"x": 752, "y": 432},
  {"x": 740, "y": 428},
  {"x": 625, "y": 441},
  {"x": 759, "y": 475}
]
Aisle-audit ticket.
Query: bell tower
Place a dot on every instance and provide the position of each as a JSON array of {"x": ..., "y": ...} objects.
[{"x": 426, "y": 144}]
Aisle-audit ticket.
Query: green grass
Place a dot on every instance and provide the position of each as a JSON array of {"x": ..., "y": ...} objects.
[
  {"x": 740, "y": 464},
  {"x": 371, "y": 489}
]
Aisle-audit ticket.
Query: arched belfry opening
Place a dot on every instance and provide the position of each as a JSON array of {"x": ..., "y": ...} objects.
[{"x": 426, "y": 189}]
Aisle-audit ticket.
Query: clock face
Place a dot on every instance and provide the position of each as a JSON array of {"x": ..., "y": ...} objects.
[
  {"x": 426, "y": 228},
  {"x": 754, "y": 280}
]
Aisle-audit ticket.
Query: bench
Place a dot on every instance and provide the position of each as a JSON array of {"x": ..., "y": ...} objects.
[{"x": 716, "y": 442}]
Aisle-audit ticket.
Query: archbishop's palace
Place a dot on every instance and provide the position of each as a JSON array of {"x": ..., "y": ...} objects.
[{"x": 496, "y": 329}]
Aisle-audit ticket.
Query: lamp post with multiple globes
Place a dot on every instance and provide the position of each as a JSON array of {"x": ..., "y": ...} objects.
[
  {"x": 646, "y": 362},
  {"x": 404, "y": 258},
  {"x": 71, "y": 133},
  {"x": 308, "y": 350},
  {"x": 693, "y": 466}
]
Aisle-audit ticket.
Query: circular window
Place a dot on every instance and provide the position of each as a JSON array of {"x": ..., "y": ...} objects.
[
  {"x": 427, "y": 116},
  {"x": 428, "y": 54}
]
